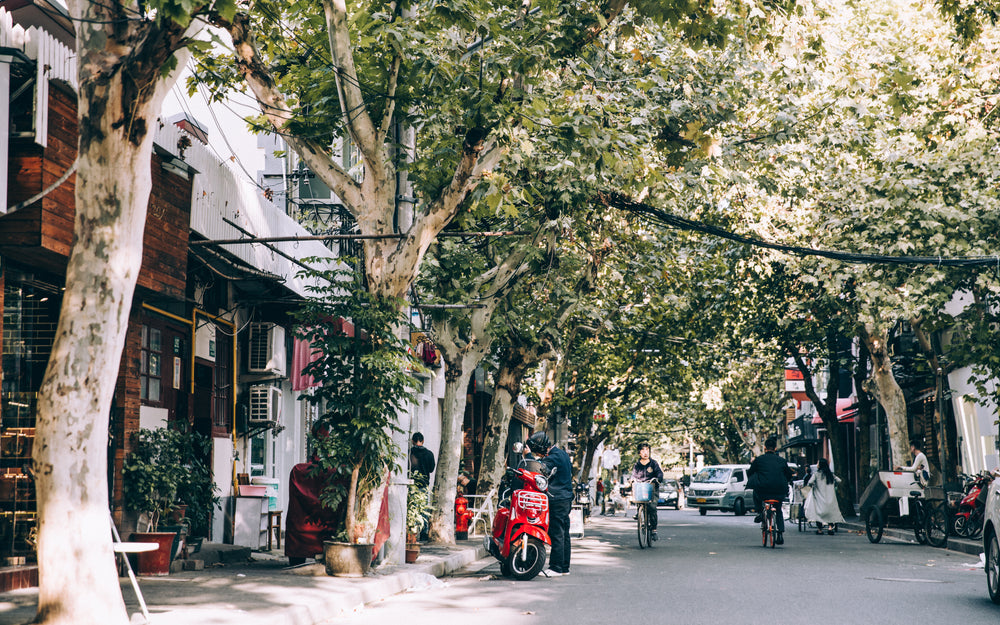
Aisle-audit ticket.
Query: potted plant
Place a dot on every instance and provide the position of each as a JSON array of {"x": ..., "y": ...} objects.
[
  {"x": 364, "y": 368},
  {"x": 418, "y": 511},
  {"x": 166, "y": 467},
  {"x": 197, "y": 493}
]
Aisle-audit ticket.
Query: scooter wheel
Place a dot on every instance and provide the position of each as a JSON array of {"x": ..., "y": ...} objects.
[
  {"x": 504, "y": 568},
  {"x": 531, "y": 564}
]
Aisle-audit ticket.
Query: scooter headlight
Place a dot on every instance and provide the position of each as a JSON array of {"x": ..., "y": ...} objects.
[{"x": 541, "y": 483}]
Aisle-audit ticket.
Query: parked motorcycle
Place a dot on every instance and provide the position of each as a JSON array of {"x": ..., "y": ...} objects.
[
  {"x": 521, "y": 526},
  {"x": 968, "y": 520},
  {"x": 581, "y": 496}
]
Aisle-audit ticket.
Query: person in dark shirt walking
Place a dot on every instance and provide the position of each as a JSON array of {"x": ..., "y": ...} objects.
[
  {"x": 560, "y": 500},
  {"x": 421, "y": 460},
  {"x": 646, "y": 469},
  {"x": 769, "y": 476},
  {"x": 421, "y": 467}
]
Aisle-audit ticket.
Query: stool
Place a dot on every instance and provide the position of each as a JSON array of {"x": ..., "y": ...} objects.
[{"x": 273, "y": 527}]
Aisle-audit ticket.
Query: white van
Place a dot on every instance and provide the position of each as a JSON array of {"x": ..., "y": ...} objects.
[{"x": 721, "y": 487}]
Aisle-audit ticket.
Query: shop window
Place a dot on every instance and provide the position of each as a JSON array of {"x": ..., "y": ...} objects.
[{"x": 30, "y": 315}]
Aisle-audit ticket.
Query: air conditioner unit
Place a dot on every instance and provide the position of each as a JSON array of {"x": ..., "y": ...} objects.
[
  {"x": 265, "y": 404},
  {"x": 266, "y": 349}
]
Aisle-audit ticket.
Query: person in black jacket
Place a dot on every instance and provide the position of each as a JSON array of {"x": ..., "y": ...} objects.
[
  {"x": 646, "y": 469},
  {"x": 421, "y": 466},
  {"x": 560, "y": 500},
  {"x": 770, "y": 475},
  {"x": 421, "y": 461}
]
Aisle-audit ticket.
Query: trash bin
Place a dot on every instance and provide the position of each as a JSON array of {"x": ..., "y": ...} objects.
[{"x": 576, "y": 522}]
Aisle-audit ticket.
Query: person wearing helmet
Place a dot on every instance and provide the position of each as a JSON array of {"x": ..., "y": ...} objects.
[
  {"x": 560, "y": 494},
  {"x": 646, "y": 469}
]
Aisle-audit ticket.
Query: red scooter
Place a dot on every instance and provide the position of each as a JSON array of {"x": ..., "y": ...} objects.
[
  {"x": 521, "y": 527},
  {"x": 968, "y": 520}
]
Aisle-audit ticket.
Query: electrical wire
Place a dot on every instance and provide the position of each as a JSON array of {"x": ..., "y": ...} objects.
[{"x": 622, "y": 202}]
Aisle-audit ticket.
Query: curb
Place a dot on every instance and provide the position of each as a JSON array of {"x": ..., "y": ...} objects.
[
  {"x": 342, "y": 603},
  {"x": 957, "y": 545}
]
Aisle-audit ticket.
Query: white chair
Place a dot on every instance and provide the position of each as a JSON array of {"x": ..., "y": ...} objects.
[{"x": 483, "y": 509}]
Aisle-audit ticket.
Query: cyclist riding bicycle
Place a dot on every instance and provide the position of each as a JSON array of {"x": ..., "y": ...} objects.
[
  {"x": 769, "y": 476},
  {"x": 647, "y": 470}
]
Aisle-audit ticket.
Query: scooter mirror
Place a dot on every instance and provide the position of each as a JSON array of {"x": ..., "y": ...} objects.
[{"x": 517, "y": 448}]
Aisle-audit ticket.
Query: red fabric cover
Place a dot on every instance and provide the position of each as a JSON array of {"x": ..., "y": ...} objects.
[
  {"x": 307, "y": 523},
  {"x": 382, "y": 530},
  {"x": 302, "y": 355}
]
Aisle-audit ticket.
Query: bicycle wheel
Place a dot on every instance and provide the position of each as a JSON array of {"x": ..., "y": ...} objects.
[
  {"x": 772, "y": 528},
  {"x": 918, "y": 517},
  {"x": 874, "y": 524},
  {"x": 936, "y": 524},
  {"x": 642, "y": 526}
]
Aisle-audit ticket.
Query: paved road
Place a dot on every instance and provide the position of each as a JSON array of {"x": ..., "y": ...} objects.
[{"x": 711, "y": 570}]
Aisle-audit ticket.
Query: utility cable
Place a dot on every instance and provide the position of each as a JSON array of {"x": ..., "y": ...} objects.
[{"x": 622, "y": 202}]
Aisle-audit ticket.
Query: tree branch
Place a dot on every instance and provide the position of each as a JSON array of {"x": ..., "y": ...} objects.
[
  {"x": 390, "y": 106},
  {"x": 359, "y": 124},
  {"x": 272, "y": 103}
]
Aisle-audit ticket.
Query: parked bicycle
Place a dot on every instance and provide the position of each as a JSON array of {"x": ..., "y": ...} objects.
[{"x": 924, "y": 510}]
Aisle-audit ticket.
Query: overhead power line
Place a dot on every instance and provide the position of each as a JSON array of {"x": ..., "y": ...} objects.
[{"x": 622, "y": 202}]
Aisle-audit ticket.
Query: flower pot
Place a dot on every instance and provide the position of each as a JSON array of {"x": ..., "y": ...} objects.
[
  {"x": 412, "y": 552},
  {"x": 178, "y": 513},
  {"x": 347, "y": 559},
  {"x": 178, "y": 546},
  {"x": 155, "y": 562}
]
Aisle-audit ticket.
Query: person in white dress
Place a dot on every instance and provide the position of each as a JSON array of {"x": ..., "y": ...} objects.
[{"x": 821, "y": 505}]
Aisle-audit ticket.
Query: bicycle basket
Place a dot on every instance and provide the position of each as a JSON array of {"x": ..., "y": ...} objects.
[
  {"x": 934, "y": 493},
  {"x": 642, "y": 491}
]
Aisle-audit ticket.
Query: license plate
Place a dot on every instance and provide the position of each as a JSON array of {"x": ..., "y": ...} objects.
[{"x": 700, "y": 500}]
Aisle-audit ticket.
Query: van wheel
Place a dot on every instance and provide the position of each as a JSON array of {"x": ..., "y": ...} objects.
[
  {"x": 702, "y": 511},
  {"x": 993, "y": 567},
  {"x": 739, "y": 509}
]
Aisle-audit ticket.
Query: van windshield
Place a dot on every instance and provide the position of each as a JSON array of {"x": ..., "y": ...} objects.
[{"x": 713, "y": 474}]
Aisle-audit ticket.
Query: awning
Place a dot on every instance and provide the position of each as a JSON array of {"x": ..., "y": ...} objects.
[
  {"x": 847, "y": 409},
  {"x": 302, "y": 355}
]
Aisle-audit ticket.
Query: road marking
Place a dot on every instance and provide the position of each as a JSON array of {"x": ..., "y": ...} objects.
[{"x": 909, "y": 579}]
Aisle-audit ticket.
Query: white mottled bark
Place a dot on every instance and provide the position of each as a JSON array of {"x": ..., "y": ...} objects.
[{"x": 120, "y": 94}]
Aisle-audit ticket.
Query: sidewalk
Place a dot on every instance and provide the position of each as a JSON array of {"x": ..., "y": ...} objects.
[{"x": 239, "y": 587}]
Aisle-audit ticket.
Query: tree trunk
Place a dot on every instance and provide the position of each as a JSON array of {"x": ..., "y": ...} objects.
[
  {"x": 120, "y": 95},
  {"x": 352, "y": 504},
  {"x": 77, "y": 581},
  {"x": 442, "y": 522},
  {"x": 889, "y": 395},
  {"x": 460, "y": 357},
  {"x": 827, "y": 411},
  {"x": 514, "y": 364},
  {"x": 863, "y": 420},
  {"x": 588, "y": 457},
  {"x": 941, "y": 452}
]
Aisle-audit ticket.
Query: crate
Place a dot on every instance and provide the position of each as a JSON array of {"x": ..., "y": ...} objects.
[
  {"x": 642, "y": 492},
  {"x": 900, "y": 483}
]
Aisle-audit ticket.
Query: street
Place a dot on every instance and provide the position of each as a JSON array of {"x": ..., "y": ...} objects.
[{"x": 710, "y": 570}]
